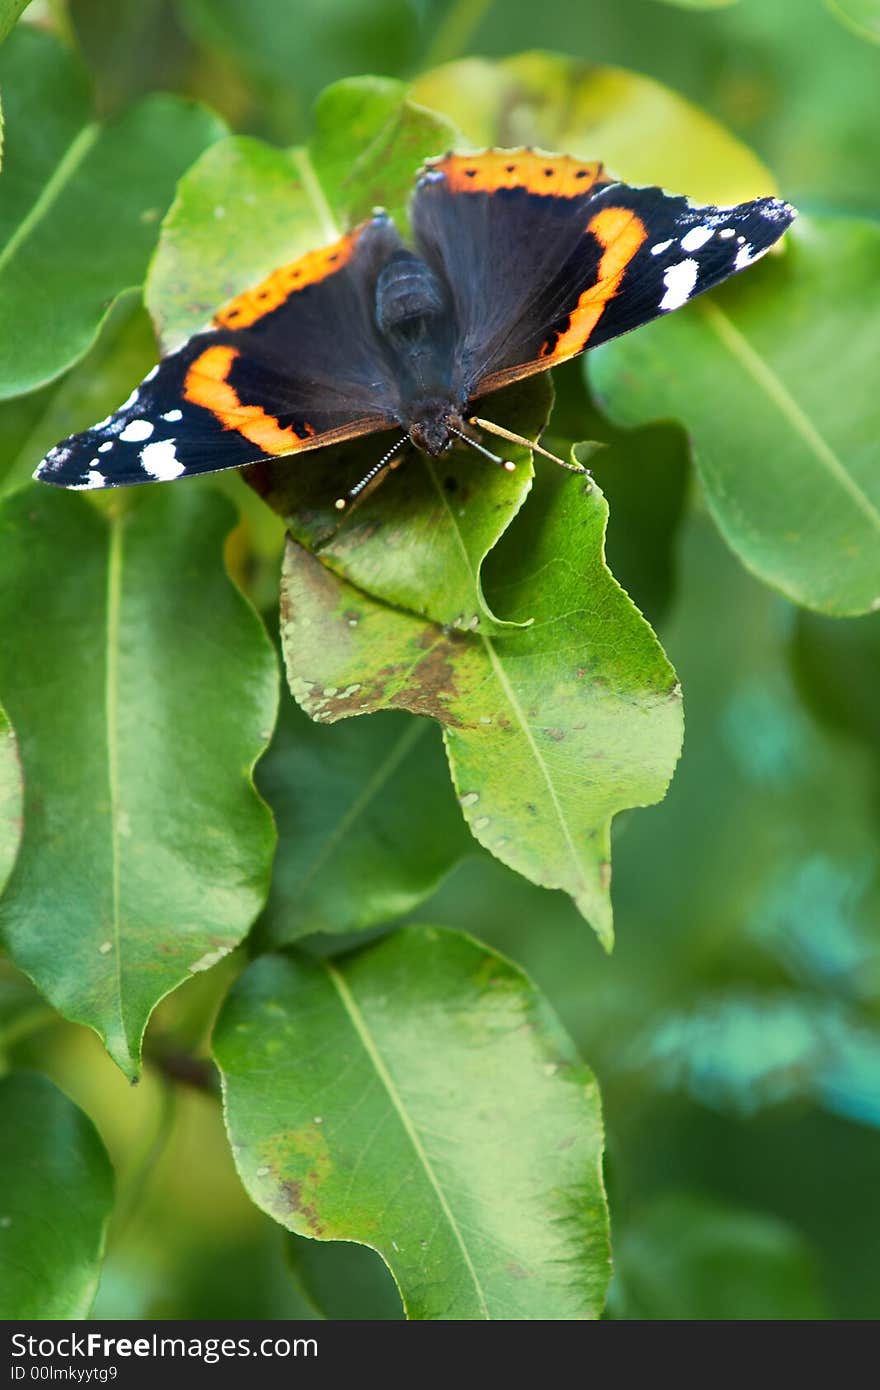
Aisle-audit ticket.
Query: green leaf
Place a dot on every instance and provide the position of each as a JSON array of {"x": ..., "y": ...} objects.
[
  {"x": 367, "y": 822},
  {"x": 772, "y": 378},
  {"x": 9, "y": 13},
  {"x": 301, "y": 48},
  {"x": 343, "y": 1280},
  {"x": 836, "y": 663},
  {"x": 22, "y": 1012},
  {"x": 143, "y": 689},
  {"x": 419, "y": 1097},
  {"x": 56, "y": 1193},
  {"x": 643, "y": 131},
  {"x": 700, "y": 4},
  {"x": 212, "y": 244},
  {"x": 644, "y": 474},
  {"x": 11, "y": 796},
  {"x": 29, "y": 425},
  {"x": 390, "y": 137},
  {"x": 681, "y": 1256},
  {"x": 81, "y": 203},
  {"x": 862, "y": 16},
  {"x": 550, "y": 729},
  {"x": 418, "y": 541},
  {"x": 243, "y": 209}
]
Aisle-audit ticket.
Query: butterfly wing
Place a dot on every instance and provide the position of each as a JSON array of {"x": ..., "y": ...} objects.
[
  {"x": 546, "y": 256},
  {"x": 292, "y": 364}
]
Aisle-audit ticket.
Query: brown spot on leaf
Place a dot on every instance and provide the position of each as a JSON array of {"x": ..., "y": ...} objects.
[{"x": 292, "y": 1203}]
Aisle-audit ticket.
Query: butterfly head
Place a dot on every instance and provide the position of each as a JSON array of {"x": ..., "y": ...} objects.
[{"x": 433, "y": 424}]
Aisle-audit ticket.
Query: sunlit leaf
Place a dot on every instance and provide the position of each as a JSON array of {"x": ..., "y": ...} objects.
[
  {"x": 862, "y": 16},
  {"x": 10, "y": 798},
  {"x": 699, "y": 4},
  {"x": 418, "y": 541},
  {"x": 368, "y": 142},
  {"x": 246, "y": 207},
  {"x": 80, "y": 203},
  {"x": 550, "y": 729},
  {"x": 772, "y": 378},
  {"x": 420, "y": 1098},
  {"x": 56, "y": 1193},
  {"x": 644, "y": 132},
  {"x": 9, "y": 13},
  {"x": 142, "y": 689}
]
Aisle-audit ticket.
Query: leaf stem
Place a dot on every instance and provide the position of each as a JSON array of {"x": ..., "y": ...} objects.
[{"x": 456, "y": 31}]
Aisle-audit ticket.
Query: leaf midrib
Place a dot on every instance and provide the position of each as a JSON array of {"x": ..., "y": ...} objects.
[
  {"x": 356, "y": 808},
  {"x": 373, "y": 1053},
  {"x": 776, "y": 391},
  {"x": 511, "y": 697},
  {"x": 111, "y": 720},
  {"x": 313, "y": 189},
  {"x": 513, "y": 700},
  {"x": 64, "y": 170}
]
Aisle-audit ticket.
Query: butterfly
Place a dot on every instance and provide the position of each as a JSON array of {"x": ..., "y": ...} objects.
[{"x": 519, "y": 261}]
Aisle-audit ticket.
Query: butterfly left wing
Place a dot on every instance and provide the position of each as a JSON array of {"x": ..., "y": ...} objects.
[
  {"x": 547, "y": 257},
  {"x": 290, "y": 365}
]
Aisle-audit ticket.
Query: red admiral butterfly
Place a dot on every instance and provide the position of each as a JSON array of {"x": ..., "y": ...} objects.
[{"x": 522, "y": 260}]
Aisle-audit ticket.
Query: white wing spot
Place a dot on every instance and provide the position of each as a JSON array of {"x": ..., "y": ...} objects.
[
  {"x": 93, "y": 479},
  {"x": 727, "y": 233},
  {"x": 160, "y": 460},
  {"x": 151, "y": 373},
  {"x": 746, "y": 255},
  {"x": 172, "y": 416},
  {"x": 661, "y": 247},
  {"x": 696, "y": 237},
  {"x": 108, "y": 444},
  {"x": 131, "y": 400},
  {"x": 136, "y": 430},
  {"x": 679, "y": 280}
]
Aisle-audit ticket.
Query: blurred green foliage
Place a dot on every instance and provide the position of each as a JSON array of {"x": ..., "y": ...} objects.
[{"x": 736, "y": 1030}]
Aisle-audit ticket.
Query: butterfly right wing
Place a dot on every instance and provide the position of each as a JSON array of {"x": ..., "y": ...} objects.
[
  {"x": 290, "y": 365},
  {"x": 546, "y": 256}
]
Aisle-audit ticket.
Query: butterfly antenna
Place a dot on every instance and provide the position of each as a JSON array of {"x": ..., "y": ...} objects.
[
  {"x": 354, "y": 493},
  {"x": 507, "y": 464},
  {"x": 526, "y": 443}
]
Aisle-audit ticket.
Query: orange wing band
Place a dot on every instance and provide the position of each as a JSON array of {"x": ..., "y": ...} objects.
[
  {"x": 620, "y": 233},
  {"x": 207, "y": 384},
  {"x": 557, "y": 174},
  {"x": 270, "y": 293}
]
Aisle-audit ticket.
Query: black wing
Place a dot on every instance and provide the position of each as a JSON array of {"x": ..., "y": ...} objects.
[
  {"x": 545, "y": 256},
  {"x": 292, "y": 364}
]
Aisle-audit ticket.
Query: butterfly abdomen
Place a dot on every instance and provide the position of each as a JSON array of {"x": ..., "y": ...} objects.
[{"x": 414, "y": 316}]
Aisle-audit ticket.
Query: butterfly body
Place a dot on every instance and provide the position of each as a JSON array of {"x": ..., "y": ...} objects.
[
  {"x": 415, "y": 319},
  {"x": 520, "y": 260}
]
